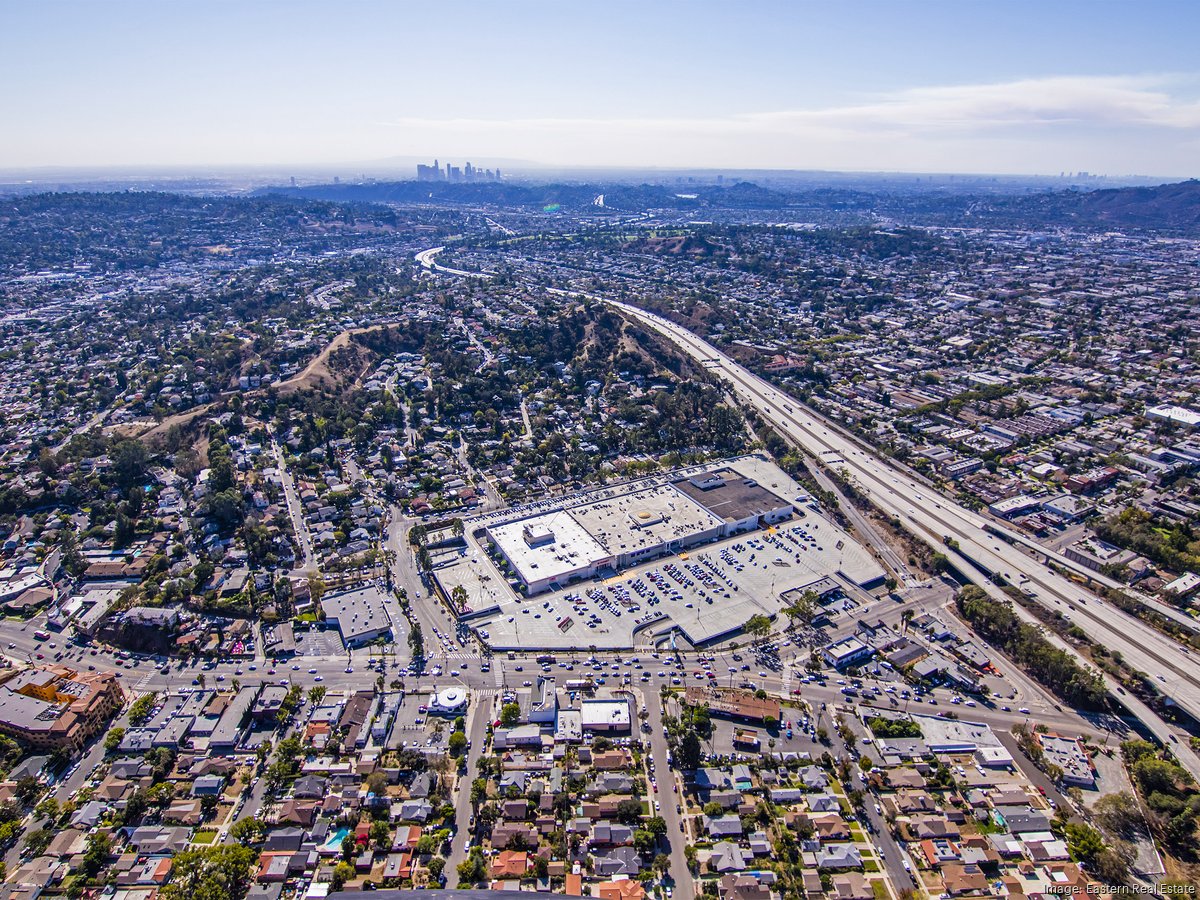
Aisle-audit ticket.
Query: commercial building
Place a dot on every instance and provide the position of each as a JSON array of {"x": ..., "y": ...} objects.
[
  {"x": 359, "y": 615},
  {"x": 57, "y": 707},
  {"x": 1070, "y": 757},
  {"x": 849, "y": 651},
  {"x": 734, "y": 704},
  {"x": 1175, "y": 415},
  {"x": 741, "y": 503},
  {"x": 618, "y": 528},
  {"x": 608, "y": 716}
]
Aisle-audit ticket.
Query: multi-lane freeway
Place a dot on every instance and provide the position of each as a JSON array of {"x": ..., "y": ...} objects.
[{"x": 933, "y": 517}]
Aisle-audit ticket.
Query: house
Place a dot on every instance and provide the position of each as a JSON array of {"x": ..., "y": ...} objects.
[
  {"x": 963, "y": 879},
  {"x": 823, "y": 803},
  {"x": 208, "y": 786},
  {"x": 611, "y": 834},
  {"x": 618, "y": 861},
  {"x": 510, "y": 864},
  {"x": 923, "y": 827},
  {"x": 839, "y": 856},
  {"x": 830, "y": 827},
  {"x": 157, "y": 840},
  {"x": 309, "y": 787},
  {"x": 505, "y": 834},
  {"x": 620, "y": 889},
  {"x": 851, "y": 886},
  {"x": 810, "y": 879},
  {"x": 184, "y": 812},
  {"x": 814, "y": 778},
  {"x": 727, "y": 857},
  {"x": 743, "y": 886},
  {"x": 723, "y": 826}
]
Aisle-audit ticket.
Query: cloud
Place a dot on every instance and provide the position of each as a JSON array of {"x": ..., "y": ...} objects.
[{"x": 1095, "y": 101}]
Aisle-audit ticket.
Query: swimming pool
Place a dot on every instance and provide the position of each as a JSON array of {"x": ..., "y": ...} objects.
[{"x": 333, "y": 844}]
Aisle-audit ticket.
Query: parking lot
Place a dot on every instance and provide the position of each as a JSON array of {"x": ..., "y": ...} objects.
[
  {"x": 706, "y": 593},
  {"x": 319, "y": 642}
]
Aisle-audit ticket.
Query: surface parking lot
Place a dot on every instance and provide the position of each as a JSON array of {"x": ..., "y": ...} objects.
[
  {"x": 706, "y": 593},
  {"x": 319, "y": 642}
]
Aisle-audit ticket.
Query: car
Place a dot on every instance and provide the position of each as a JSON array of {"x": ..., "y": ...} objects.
[
  {"x": 527, "y": 684},
  {"x": 220, "y": 678},
  {"x": 657, "y": 806},
  {"x": 349, "y": 669},
  {"x": 312, "y": 671},
  {"x": 1024, "y": 710},
  {"x": 319, "y": 678},
  {"x": 467, "y": 847}
]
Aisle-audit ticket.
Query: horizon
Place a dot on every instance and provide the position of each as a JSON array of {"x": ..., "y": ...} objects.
[{"x": 863, "y": 88}]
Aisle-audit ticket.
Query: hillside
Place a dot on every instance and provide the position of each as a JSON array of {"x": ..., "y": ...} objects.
[{"x": 1165, "y": 206}]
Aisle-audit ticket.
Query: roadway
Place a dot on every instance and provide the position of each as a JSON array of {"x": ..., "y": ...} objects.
[
  {"x": 932, "y": 517},
  {"x": 427, "y": 259},
  {"x": 659, "y": 752}
]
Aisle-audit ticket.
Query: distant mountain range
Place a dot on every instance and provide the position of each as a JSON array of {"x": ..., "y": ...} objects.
[{"x": 1167, "y": 208}]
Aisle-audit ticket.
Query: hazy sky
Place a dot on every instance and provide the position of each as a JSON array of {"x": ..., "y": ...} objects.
[{"x": 962, "y": 85}]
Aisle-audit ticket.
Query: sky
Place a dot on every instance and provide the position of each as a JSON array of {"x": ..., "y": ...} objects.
[{"x": 1008, "y": 87}]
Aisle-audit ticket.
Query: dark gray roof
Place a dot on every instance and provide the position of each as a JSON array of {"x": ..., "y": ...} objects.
[{"x": 730, "y": 496}]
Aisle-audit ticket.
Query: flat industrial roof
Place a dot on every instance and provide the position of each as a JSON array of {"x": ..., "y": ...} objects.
[
  {"x": 358, "y": 612},
  {"x": 604, "y": 712},
  {"x": 628, "y": 523},
  {"x": 571, "y": 550},
  {"x": 730, "y": 495}
]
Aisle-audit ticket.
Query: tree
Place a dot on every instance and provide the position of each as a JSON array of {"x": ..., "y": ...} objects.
[
  {"x": 316, "y": 694},
  {"x": 139, "y": 711},
  {"x": 1119, "y": 813},
  {"x": 510, "y": 714},
  {"x": 95, "y": 854},
  {"x": 436, "y": 866},
  {"x": 113, "y": 739},
  {"x": 629, "y": 812},
  {"x": 47, "y": 809},
  {"x": 37, "y": 841},
  {"x": 803, "y": 610},
  {"x": 457, "y": 744},
  {"x": 381, "y": 834},
  {"x": 416, "y": 641},
  {"x": 247, "y": 831},
  {"x": 472, "y": 869},
  {"x": 129, "y": 459},
  {"x": 1159, "y": 775},
  {"x": 689, "y": 751},
  {"x": 342, "y": 873},
  {"x": 758, "y": 626}
]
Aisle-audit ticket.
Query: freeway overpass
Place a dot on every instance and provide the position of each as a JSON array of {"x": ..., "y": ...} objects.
[{"x": 933, "y": 517}]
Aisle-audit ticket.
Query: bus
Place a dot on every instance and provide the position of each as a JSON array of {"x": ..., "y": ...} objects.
[
  {"x": 42, "y": 635},
  {"x": 545, "y": 660}
]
